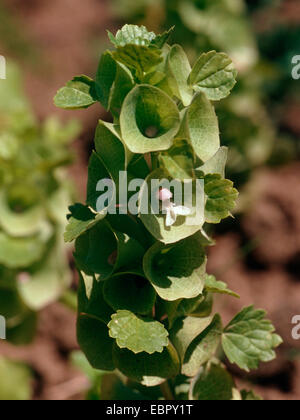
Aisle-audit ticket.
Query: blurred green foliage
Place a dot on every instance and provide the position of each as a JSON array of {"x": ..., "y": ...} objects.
[
  {"x": 12, "y": 373},
  {"x": 34, "y": 197},
  {"x": 13, "y": 39}
]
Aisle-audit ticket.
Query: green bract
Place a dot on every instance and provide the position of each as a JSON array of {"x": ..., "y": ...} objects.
[
  {"x": 34, "y": 269},
  {"x": 145, "y": 298}
]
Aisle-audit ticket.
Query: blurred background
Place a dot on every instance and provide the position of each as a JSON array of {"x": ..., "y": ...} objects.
[{"x": 43, "y": 168}]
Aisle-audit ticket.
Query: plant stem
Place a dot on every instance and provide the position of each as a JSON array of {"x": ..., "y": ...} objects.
[{"x": 166, "y": 391}]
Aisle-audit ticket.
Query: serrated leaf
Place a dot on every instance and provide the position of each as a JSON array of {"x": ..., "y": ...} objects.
[
  {"x": 214, "y": 286},
  {"x": 221, "y": 198},
  {"x": 176, "y": 271},
  {"x": 149, "y": 120},
  {"x": 202, "y": 127},
  {"x": 139, "y": 58},
  {"x": 248, "y": 339},
  {"x": 132, "y": 34},
  {"x": 214, "y": 384},
  {"x": 138, "y": 334},
  {"x": 178, "y": 71},
  {"x": 78, "y": 93},
  {"x": 81, "y": 219},
  {"x": 93, "y": 338},
  {"x": 129, "y": 291},
  {"x": 148, "y": 369},
  {"x": 161, "y": 39},
  {"x": 213, "y": 74}
]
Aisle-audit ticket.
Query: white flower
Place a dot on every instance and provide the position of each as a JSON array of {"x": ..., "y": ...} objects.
[{"x": 172, "y": 211}]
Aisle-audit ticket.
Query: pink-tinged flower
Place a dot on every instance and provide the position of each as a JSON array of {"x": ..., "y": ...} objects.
[{"x": 172, "y": 211}]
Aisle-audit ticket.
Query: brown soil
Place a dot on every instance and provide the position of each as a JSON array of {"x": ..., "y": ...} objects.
[
  {"x": 267, "y": 277},
  {"x": 48, "y": 356}
]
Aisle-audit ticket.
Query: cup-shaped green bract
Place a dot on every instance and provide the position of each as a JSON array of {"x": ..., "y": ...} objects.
[
  {"x": 94, "y": 340},
  {"x": 129, "y": 291},
  {"x": 155, "y": 221},
  {"x": 101, "y": 251},
  {"x": 148, "y": 369},
  {"x": 149, "y": 120},
  {"x": 177, "y": 271}
]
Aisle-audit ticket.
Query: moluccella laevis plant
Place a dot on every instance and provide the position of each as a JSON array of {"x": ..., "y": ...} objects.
[
  {"x": 34, "y": 269},
  {"x": 145, "y": 299}
]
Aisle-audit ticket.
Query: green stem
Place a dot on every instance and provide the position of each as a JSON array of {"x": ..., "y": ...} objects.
[{"x": 166, "y": 391}]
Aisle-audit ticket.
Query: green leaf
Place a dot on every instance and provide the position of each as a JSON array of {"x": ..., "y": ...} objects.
[
  {"x": 221, "y": 198},
  {"x": 81, "y": 219},
  {"x": 178, "y": 71},
  {"x": 249, "y": 339},
  {"x": 78, "y": 93},
  {"x": 139, "y": 58},
  {"x": 161, "y": 39},
  {"x": 176, "y": 271},
  {"x": 214, "y": 286},
  {"x": 131, "y": 292},
  {"x": 216, "y": 164},
  {"x": 214, "y": 384},
  {"x": 138, "y": 334},
  {"x": 213, "y": 74},
  {"x": 132, "y": 34},
  {"x": 148, "y": 369},
  {"x": 202, "y": 127},
  {"x": 156, "y": 223},
  {"x": 93, "y": 338},
  {"x": 149, "y": 120},
  {"x": 15, "y": 381}
]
